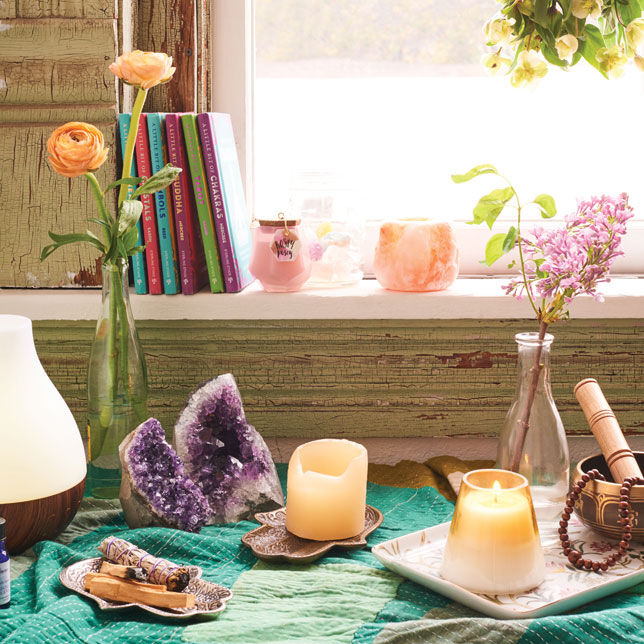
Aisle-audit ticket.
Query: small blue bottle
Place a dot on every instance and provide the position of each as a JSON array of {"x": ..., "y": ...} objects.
[{"x": 5, "y": 577}]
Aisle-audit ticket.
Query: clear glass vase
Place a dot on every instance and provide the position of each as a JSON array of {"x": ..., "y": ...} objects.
[
  {"x": 543, "y": 459},
  {"x": 117, "y": 389}
]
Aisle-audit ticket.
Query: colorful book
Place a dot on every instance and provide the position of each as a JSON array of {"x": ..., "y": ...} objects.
[
  {"x": 148, "y": 218},
  {"x": 223, "y": 175},
  {"x": 204, "y": 212},
  {"x": 192, "y": 261},
  {"x": 138, "y": 260},
  {"x": 163, "y": 207}
]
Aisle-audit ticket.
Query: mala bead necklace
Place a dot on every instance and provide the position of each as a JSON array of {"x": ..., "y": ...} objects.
[{"x": 574, "y": 556}]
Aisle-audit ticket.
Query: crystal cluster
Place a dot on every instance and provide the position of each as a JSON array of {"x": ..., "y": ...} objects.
[
  {"x": 225, "y": 455},
  {"x": 155, "y": 489}
]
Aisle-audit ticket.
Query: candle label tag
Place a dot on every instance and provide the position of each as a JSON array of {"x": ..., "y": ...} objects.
[{"x": 286, "y": 245}]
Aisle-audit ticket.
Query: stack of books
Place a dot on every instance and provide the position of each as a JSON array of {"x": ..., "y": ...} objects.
[{"x": 197, "y": 231}]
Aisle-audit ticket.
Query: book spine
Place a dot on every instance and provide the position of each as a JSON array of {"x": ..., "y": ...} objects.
[
  {"x": 167, "y": 245},
  {"x": 180, "y": 191},
  {"x": 213, "y": 179},
  {"x": 206, "y": 226},
  {"x": 152, "y": 256},
  {"x": 138, "y": 260},
  {"x": 232, "y": 189}
]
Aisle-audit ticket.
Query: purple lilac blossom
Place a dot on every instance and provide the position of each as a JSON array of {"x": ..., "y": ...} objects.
[
  {"x": 157, "y": 475},
  {"x": 225, "y": 455},
  {"x": 563, "y": 263}
]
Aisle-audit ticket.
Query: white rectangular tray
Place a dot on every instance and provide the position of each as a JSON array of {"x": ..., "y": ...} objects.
[{"x": 419, "y": 555}]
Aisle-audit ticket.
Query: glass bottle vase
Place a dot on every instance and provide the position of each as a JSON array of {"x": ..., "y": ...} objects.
[
  {"x": 543, "y": 459},
  {"x": 117, "y": 389}
]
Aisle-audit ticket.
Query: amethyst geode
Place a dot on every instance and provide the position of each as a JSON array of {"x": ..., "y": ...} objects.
[
  {"x": 225, "y": 455},
  {"x": 155, "y": 489}
]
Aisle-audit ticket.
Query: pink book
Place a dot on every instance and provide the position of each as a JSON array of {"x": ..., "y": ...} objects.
[
  {"x": 148, "y": 217},
  {"x": 192, "y": 261}
]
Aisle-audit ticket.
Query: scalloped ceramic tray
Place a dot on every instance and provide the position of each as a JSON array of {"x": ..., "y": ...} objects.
[
  {"x": 419, "y": 555},
  {"x": 210, "y": 598}
]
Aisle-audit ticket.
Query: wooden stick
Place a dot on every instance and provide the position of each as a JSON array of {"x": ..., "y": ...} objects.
[
  {"x": 126, "y": 591},
  {"x": 619, "y": 456},
  {"x": 125, "y": 572},
  {"x": 91, "y": 576}
]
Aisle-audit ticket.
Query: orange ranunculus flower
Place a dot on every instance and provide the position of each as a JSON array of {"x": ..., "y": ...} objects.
[
  {"x": 76, "y": 148},
  {"x": 144, "y": 69}
]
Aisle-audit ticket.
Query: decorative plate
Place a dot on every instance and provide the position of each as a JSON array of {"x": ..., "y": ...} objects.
[
  {"x": 419, "y": 555},
  {"x": 273, "y": 542},
  {"x": 210, "y": 598}
]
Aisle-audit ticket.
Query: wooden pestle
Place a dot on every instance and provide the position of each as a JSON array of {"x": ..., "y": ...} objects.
[{"x": 619, "y": 456}]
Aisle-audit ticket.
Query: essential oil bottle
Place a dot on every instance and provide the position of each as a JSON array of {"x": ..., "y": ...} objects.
[{"x": 5, "y": 578}]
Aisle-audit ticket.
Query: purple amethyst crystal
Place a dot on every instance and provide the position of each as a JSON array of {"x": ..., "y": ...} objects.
[
  {"x": 155, "y": 489},
  {"x": 225, "y": 455}
]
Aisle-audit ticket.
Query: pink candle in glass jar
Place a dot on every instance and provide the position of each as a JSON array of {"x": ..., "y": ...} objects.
[{"x": 280, "y": 259}]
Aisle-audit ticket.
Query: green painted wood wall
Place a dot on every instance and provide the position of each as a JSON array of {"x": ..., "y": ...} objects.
[{"x": 364, "y": 378}]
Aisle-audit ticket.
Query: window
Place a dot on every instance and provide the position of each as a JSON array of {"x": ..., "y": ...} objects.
[{"x": 382, "y": 101}]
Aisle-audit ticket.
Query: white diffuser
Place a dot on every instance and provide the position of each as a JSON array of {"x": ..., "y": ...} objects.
[{"x": 42, "y": 460}]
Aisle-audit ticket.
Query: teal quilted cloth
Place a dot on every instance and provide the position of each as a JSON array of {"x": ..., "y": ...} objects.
[{"x": 342, "y": 598}]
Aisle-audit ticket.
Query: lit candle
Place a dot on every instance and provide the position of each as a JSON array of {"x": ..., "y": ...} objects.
[
  {"x": 493, "y": 545},
  {"x": 326, "y": 490}
]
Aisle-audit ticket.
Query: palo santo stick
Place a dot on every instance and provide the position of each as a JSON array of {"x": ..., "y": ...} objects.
[
  {"x": 619, "y": 456},
  {"x": 124, "y": 591},
  {"x": 90, "y": 576},
  {"x": 125, "y": 572}
]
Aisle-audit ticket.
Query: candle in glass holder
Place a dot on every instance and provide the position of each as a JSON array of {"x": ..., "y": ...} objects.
[
  {"x": 493, "y": 545},
  {"x": 327, "y": 490}
]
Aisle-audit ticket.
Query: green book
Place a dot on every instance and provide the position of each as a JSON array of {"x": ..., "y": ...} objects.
[{"x": 204, "y": 211}]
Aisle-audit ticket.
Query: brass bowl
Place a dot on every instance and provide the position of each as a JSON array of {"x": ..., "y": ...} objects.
[{"x": 598, "y": 502}]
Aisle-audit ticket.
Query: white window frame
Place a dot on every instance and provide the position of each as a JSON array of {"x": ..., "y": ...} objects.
[{"x": 233, "y": 50}]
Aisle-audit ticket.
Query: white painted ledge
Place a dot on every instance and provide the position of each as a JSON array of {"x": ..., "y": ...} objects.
[{"x": 478, "y": 298}]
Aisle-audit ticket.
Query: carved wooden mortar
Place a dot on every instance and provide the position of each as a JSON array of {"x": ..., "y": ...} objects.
[{"x": 598, "y": 502}]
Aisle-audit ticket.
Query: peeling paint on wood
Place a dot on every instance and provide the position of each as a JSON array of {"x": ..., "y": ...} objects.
[
  {"x": 65, "y": 8},
  {"x": 361, "y": 378}
]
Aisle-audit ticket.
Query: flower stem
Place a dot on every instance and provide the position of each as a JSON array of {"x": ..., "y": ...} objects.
[
  {"x": 112, "y": 351},
  {"x": 98, "y": 196},
  {"x": 524, "y": 420},
  {"x": 131, "y": 140}
]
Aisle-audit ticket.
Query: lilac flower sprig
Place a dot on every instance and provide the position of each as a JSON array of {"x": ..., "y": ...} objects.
[
  {"x": 555, "y": 265},
  {"x": 562, "y": 263}
]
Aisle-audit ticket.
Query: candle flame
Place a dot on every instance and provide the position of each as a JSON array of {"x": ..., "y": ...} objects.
[{"x": 496, "y": 487}]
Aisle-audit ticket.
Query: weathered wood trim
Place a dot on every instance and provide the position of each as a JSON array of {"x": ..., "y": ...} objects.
[
  {"x": 364, "y": 378},
  {"x": 170, "y": 26}
]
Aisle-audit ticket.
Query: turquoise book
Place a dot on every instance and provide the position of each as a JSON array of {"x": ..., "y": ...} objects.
[
  {"x": 138, "y": 260},
  {"x": 165, "y": 223}
]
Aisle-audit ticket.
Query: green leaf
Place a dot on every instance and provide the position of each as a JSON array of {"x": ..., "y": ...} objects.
[
  {"x": 510, "y": 240},
  {"x": 490, "y": 206},
  {"x": 158, "y": 181},
  {"x": 588, "y": 46},
  {"x": 629, "y": 11},
  {"x": 100, "y": 222},
  {"x": 135, "y": 250},
  {"x": 478, "y": 170},
  {"x": 494, "y": 248},
  {"x": 130, "y": 181},
  {"x": 131, "y": 238},
  {"x": 541, "y": 12},
  {"x": 129, "y": 213},
  {"x": 71, "y": 238},
  {"x": 547, "y": 205},
  {"x": 552, "y": 56}
]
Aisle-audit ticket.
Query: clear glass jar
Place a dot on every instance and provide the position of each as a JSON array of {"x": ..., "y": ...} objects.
[
  {"x": 544, "y": 459},
  {"x": 280, "y": 257},
  {"x": 117, "y": 389},
  {"x": 323, "y": 201}
]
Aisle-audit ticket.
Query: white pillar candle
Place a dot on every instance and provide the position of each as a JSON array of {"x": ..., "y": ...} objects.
[
  {"x": 326, "y": 490},
  {"x": 493, "y": 545}
]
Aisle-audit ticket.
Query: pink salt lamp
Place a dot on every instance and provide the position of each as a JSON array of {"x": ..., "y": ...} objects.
[{"x": 416, "y": 255}]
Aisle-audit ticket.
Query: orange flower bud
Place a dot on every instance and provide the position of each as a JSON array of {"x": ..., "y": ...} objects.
[
  {"x": 143, "y": 69},
  {"x": 76, "y": 148}
]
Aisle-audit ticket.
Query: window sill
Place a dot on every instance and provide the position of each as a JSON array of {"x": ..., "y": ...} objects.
[{"x": 478, "y": 298}]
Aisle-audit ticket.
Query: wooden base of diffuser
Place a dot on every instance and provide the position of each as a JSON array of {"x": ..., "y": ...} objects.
[{"x": 32, "y": 521}]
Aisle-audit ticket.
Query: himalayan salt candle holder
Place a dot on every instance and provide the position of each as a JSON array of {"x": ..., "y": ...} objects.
[
  {"x": 326, "y": 491},
  {"x": 493, "y": 545},
  {"x": 416, "y": 255}
]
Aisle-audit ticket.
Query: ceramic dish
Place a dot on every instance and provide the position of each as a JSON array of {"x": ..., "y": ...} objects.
[
  {"x": 210, "y": 598},
  {"x": 273, "y": 542},
  {"x": 419, "y": 555}
]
